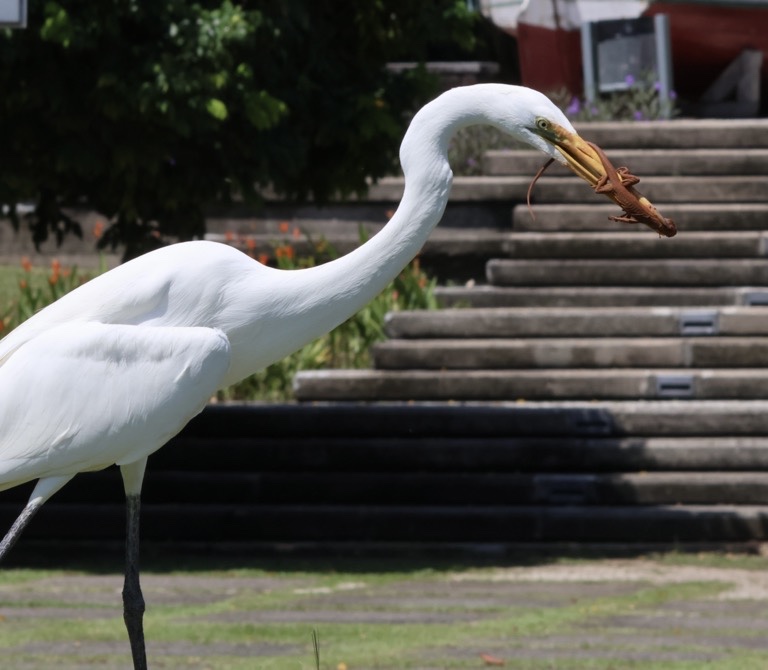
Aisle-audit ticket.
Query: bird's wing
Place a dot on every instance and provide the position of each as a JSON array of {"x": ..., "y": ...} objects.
[{"x": 83, "y": 396}]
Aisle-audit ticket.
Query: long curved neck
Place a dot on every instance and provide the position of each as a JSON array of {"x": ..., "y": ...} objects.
[{"x": 342, "y": 287}]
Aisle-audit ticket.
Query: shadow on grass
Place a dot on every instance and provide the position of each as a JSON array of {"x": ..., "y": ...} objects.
[{"x": 383, "y": 558}]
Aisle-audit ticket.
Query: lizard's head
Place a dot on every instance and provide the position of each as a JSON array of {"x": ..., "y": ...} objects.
[{"x": 590, "y": 163}]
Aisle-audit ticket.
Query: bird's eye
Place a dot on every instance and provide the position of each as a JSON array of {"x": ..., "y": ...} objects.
[{"x": 543, "y": 124}]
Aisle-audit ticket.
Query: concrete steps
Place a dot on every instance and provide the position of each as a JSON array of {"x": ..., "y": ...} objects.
[
  {"x": 466, "y": 474},
  {"x": 667, "y": 337},
  {"x": 569, "y": 276}
]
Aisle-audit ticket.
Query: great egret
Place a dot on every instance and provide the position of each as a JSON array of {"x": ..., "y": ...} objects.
[{"x": 111, "y": 371}]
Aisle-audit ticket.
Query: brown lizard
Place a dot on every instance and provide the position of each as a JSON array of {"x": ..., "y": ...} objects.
[{"x": 618, "y": 185}]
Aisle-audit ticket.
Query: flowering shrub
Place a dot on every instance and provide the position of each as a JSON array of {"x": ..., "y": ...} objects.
[
  {"x": 38, "y": 289},
  {"x": 640, "y": 102}
]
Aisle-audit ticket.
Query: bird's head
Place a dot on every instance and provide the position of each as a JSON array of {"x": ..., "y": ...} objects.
[{"x": 546, "y": 128}]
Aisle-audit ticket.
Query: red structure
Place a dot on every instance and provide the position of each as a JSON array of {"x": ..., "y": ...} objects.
[{"x": 707, "y": 36}]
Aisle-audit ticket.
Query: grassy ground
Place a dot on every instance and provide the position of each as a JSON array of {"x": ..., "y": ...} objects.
[
  {"x": 9, "y": 282},
  {"x": 664, "y": 612}
]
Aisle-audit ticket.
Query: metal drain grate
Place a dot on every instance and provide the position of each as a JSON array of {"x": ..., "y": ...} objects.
[
  {"x": 699, "y": 322},
  {"x": 674, "y": 386}
]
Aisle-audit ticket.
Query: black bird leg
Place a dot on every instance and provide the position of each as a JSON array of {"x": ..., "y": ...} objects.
[{"x": 133, "y": 600}]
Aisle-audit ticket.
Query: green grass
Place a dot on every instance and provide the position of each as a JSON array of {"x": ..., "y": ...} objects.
[
  {"x": 211, "y": 626},
  {"x": 9, "y": 282}
]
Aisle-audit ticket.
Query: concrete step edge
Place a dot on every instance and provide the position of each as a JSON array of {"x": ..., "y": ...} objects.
[
  {"x": 688, "y": 216},
  {"x": 633, "y": 244},
  {"x": 663, "y": 272},
  {"x": 677, "y": 133},
  {"x": 475, "y": 296},
  {"x": 643, "y": 162},
  {"x": 745, "y": 188},
  {"x": 488, "y": 322},
  {"x": 562, "y": 384}
]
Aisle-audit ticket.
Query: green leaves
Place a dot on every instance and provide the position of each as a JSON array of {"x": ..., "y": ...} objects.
[
  {"x": 148, "y": 112},
  {"x": 56, "y": 26},
  {"x": 217, "y": 109},
  {"x": 262, "y": 110}
]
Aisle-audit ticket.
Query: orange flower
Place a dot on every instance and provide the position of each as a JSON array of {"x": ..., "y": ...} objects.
[
  {"x": 296, "y": 233},
  {"x": 250, "y": 243},
  {"x": 23, "y": 284},
  {"x": 229, "y": 236},
  {"x": 26, "y": 264},
  {"x": 98, "y": 229},
  {"x": 264, "y": 259},
  {"x": 285, "y": 251},
  {"x": 53, "y": 278},
  {"x": 284, "y": 227}
]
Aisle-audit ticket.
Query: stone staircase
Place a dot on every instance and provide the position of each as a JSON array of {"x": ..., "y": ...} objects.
[
  {"x": 586, "y": 314},
  {"x": 582, "y": 308}
]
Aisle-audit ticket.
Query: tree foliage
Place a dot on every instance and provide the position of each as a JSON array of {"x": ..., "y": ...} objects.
[{"x": 149, "y": 111}]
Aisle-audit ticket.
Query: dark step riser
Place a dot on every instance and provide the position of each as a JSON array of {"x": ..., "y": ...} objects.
[
  {"x": 220, "y": 423},
  {"x": 416, "y": 421},
  {"x": 406, "y": 524},
  {"x": 420, "y": 488},
  {"x": 514, "y": 453},
  {"x": 445, "y": 454}
]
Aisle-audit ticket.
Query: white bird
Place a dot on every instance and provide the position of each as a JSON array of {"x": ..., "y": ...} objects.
[{"x": 111, "y": 371}]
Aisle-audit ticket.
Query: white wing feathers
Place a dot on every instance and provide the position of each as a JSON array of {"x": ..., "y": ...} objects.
[{"x": 84, "y": 396}]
